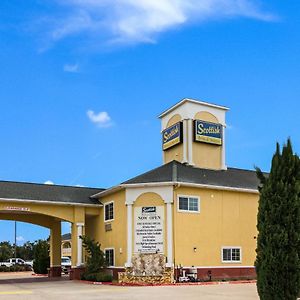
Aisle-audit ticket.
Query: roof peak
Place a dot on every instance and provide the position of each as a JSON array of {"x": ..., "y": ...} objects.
[{"x": 184, "y": 100}]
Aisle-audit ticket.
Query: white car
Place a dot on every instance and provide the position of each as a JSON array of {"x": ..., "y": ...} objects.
[{"x": 66, "y": 264}]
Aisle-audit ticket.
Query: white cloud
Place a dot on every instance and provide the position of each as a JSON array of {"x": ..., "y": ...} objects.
[
  {"x": 71, "y": 68},
  {"x": 141, "y": 20},
  {"x": 49, "y": 182},
  {"x": 20, "y": 239},
  {"x": 102, "y": 119}
]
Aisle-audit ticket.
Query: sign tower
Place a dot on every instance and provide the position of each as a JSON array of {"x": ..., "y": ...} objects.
[{"x": 193, "y": 133}]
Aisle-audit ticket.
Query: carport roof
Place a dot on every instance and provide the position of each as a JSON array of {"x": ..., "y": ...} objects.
[{"x": 47, "y": 192}]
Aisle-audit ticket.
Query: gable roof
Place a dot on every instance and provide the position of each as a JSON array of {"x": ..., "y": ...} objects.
[
  {"x": 175, "y": 171},
  {"x": 47, "y": 192}
]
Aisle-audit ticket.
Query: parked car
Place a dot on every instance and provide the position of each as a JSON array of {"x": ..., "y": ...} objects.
[
  {"x": 66, "y": 264},
  {"x": 14, "y": 261}
]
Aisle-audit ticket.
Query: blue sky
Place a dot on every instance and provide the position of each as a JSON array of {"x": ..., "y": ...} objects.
[{"x": 82, "y": 83}]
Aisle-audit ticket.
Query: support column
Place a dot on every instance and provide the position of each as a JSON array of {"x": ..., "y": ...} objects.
[
  {"x": 223, "y": 158},
  {"x": 190, "y": 142},
  {"x": 185, "y": 141},
  {"x": 129, "y": 235},
  {"x": 169, "y": 234},
  {"x": 79, "y": 244},
  {"x": 55, "y": 249}
]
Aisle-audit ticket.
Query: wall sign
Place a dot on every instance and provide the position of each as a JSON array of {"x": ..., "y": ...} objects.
[
  {"x": 172, "y": 136},
  {"x": 17, "y": 208},
  {"x": 207, "y": 132},
  {"x": 149, "y": 229}
]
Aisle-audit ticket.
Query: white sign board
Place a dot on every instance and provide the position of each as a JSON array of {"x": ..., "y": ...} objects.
[{"x": 149, "y": 229}]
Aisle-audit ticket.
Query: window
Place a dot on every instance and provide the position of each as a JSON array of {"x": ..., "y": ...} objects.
[
  {"x": 189, "y": 204},
  {"x": 110, "y": 257},
  {"x": 231, "y": 254},
  {"x": 109, "y": 211}
]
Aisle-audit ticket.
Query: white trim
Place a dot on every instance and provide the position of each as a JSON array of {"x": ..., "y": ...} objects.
[
  {"x": 188, "y": 211},
  {"x": 231, "y": 261},
  {"x": 190, "y": 142},
  {"x": 129, "y": 235},
  {"x": 111, "y": 248},
  {"x": 185, "y": 141},
  {"x": 164, "y": 191},
  {"x": 169, "y": 234},
  {"x": 223, "y": 151},
  {"x": 49, "y": 202},
  {"x": 192, "y": 101},
  {"x": 218, "y": 267},
  {"x": 79, "y": 244},
  {"x": 172, "y": 183},
  {"x": 105, "y": 204}
]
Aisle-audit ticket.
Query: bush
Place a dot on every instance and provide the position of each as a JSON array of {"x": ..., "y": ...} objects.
[
  {"x": 41, "y": 261},
  {"x": 98, "y": 277},
  {"x": 15, "y": 268}
]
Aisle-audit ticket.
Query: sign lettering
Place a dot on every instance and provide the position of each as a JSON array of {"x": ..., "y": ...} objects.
[
  {"x": 208, "y": 132},
  {"x": 172, "y": 136},
  {"x": 148, "y": 229}
]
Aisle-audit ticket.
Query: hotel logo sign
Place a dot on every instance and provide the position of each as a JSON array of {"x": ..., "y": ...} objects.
[
  {"x": 172, "y": 136},
  {"x": 207, "y": 132}
]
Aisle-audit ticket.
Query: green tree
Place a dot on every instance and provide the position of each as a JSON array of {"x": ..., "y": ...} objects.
[
  {"x": 26, "y": 251},
  {"x": 41, "y": 257},
  {"x": 95, "y": 258},
  {"x": 278, "y": 223},
  {"x": 6, "y": 251}
]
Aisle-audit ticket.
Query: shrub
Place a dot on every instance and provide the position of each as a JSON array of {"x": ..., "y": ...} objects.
[
  {"x": 98, "y": 277},
  {"x": 41, "y": 257}
]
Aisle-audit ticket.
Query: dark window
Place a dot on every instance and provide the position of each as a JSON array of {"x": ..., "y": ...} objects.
[
  {"x": 189, "y": 204},
  {"x": 109, "y": 257},
  {"x": 231, "y": 255},
  {"x": 109, "y": 211}
]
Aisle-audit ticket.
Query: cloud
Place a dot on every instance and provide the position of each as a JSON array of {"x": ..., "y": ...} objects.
[
  {"x": 71, "y": 68},
  {"x": 102, "y": 119},
  {"x": 132, "y": 21},
  {"x": 49, "y": 182},
  {"x": 20, "y": 239}
]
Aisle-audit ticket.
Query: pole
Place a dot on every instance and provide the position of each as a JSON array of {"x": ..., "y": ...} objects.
[{"x": 15, "y": 242}]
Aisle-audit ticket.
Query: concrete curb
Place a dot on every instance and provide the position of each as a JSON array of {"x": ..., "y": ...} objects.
[{"x": 172, "y": 284}]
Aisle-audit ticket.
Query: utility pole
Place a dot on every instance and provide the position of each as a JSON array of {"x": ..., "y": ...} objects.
[{"x": 15, "y": 242}]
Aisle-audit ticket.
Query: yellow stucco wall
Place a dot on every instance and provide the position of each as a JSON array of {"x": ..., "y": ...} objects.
[
  {"x": 175, "y": 152},
  {"x": 207, "y": 155},
  {"x": 117, "y": 237},
  {"x": 225, "y": 219}
]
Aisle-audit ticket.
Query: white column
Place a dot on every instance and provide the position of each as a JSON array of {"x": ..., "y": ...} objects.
[
  {"x": 79, "y": 244},
  {"x": 224, "y": 167},
  {"x": 170, "y": 234},
  {"x": 129, "y": 235},
  {"x": 185, "y": 146},
  {"x": 190, "y": 142}
]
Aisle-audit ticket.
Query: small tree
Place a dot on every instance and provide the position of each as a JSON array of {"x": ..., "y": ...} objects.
[
  {"x": 278, "y": 223},
  {"x": 96, "y": 259},
  {"x": 6, "y": 251},
  {"x": 41, "y": 257}
]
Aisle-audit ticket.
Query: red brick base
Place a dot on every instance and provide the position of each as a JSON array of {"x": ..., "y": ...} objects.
[
  {"x": 54, "y": 272},
  {"x": 222, "y": 273},
  {"x": 75, "y": 273}
]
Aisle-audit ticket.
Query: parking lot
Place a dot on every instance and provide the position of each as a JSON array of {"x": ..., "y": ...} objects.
[{"x": 25, "y": 286}]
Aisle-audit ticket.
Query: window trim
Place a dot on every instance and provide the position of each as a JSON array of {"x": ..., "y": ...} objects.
[
  {"x": 231, "y": 261},
  {"x": 105, "y": 204},
  {"x": 188, "y": 211},
  {"x": 111, "y": 248}
]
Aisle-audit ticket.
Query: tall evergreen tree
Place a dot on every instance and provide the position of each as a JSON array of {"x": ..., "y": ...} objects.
[{"x": 278, "y": 223}]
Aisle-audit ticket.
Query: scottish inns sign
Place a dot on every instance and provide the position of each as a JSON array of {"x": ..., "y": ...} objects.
[
  {"x": 172, "y": 136},
  {"x": 207, "y": 132},
  {"x": 148, "y": 229}
]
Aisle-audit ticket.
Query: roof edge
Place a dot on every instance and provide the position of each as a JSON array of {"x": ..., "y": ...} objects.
[{"x": 192, "y": 101}]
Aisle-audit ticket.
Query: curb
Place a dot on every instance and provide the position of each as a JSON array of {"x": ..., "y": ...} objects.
[{"x": 170, "y": 284}]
